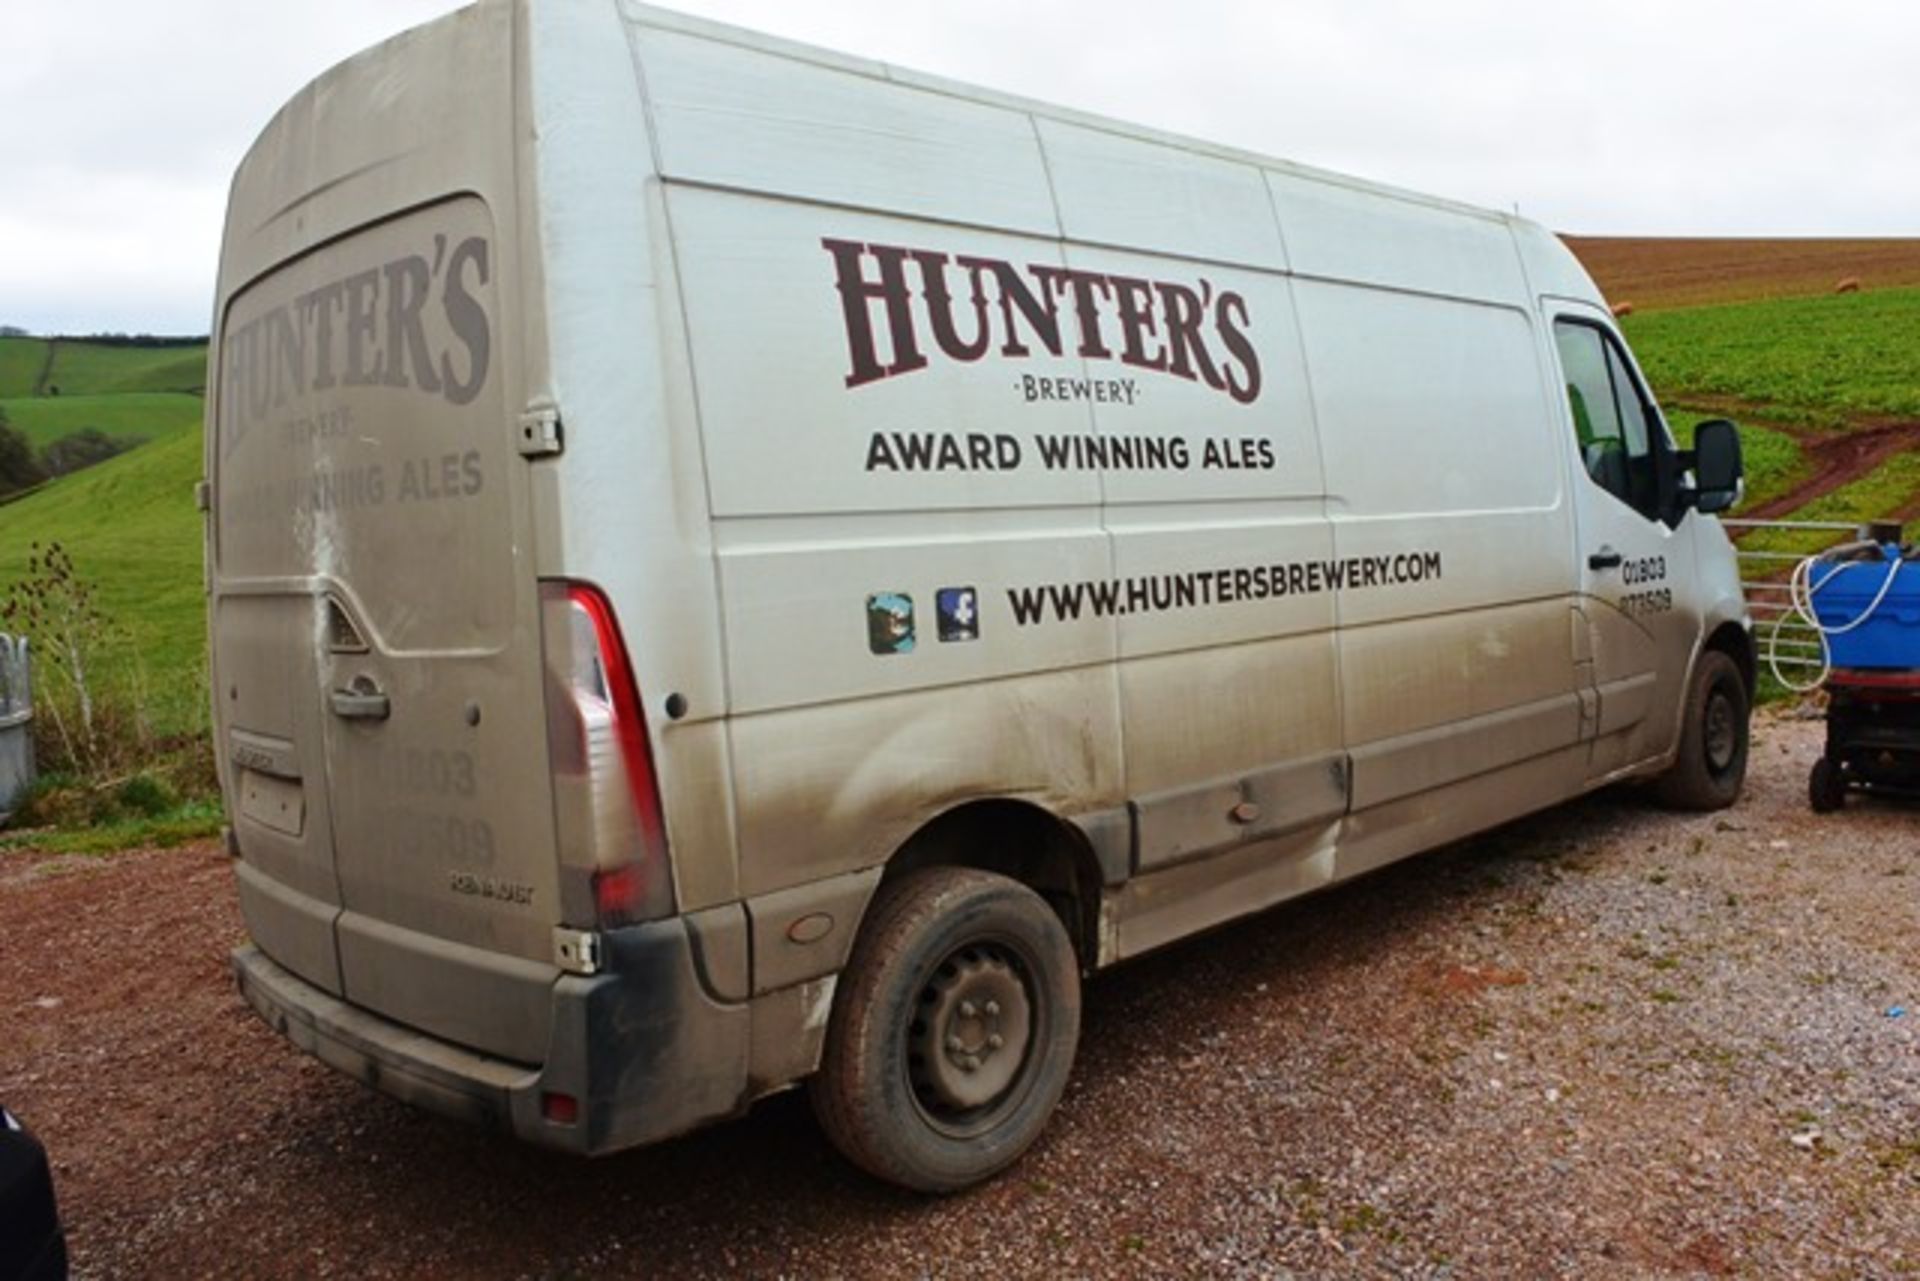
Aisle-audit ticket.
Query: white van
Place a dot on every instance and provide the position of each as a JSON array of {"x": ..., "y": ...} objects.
[{"x": 732, "y": 564}]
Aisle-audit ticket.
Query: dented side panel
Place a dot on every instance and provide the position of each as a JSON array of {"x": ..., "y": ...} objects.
[{"x": 840, "y": 786}]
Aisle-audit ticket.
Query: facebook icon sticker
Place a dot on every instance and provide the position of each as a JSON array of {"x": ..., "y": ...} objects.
[{"x": 958, "y": 611}]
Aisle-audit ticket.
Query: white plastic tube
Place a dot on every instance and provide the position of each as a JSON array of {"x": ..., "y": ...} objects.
[{"x": 1800, "y": 592}]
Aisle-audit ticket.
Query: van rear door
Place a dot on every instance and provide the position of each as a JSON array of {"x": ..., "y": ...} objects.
[{"x": 376, "y": 633}]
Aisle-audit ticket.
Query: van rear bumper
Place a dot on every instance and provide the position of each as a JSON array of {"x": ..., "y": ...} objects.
[{"x": 643, "y": 1048}]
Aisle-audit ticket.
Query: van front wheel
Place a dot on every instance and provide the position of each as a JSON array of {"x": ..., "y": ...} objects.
[
  {"x": 1713, "y": 738},
  {"x": 952, "y": 1032}
]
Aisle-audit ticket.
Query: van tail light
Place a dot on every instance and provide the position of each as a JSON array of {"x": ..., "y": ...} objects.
[{"x": 606, "y": 798}]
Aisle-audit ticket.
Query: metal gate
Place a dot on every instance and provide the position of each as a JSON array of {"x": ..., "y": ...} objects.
[
  {"x": 16, "y": 721},
  {"x": 1768, "y": 551}
]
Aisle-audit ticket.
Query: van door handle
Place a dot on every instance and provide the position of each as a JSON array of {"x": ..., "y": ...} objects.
[
  {"x": 1605, "y": 558},
  {"x": 361, "y": 703}
]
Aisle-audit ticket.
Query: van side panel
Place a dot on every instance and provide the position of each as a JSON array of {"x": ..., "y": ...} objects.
[
  {"x": 830, "y": 501},
  {"x": 1440, "y": 447},
  {"x": 950, "y": 395},
  {"x": 624, "y": 506},
  {"x": 888, "y": 293},
  {"x": 1227, "y": 663},
  {"x": 831, "y": 505},
  {"x": 806, "y": 412}
]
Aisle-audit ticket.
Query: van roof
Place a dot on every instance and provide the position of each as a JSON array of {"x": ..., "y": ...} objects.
[
  {"x": 290, "y": 165},
  {"x": 799, "y": 51}
]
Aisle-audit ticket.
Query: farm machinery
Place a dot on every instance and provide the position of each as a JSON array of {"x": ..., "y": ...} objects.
[{"x": 1863, "y": 600}]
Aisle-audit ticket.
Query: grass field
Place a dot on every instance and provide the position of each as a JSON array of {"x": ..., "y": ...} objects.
[
  {"x": 87, "y": 369},
  {"x": 1826, "y": 361},
  {"x": 132, "y": 530},
  {"x": 136, "y": 415},
  {"x": 1882, "y": 492},
  {"x": 21, "y": 360},
  {"x": 129, "y": 523},
  {"x": 1753, "y": 330}
]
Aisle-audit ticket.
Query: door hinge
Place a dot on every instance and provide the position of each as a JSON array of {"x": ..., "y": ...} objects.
[
  {"x": 540, "y": 433},
  {"x": 576, "y": 951}
]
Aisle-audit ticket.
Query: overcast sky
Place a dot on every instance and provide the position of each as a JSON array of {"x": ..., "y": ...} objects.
[{"x": 1660, "y": 117}]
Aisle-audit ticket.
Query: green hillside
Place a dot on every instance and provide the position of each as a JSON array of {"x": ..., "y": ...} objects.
[
  {"x": 133, "y": 416},
  {"x": 87, "y": 369},
  {"x": 132, "y": 530},
  {"x": 21, "y": 360}
]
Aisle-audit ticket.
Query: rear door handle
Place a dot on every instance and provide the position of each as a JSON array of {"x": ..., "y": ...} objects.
[
  {"x": 361, "y": 703},
  {"x": 1605, "y": 558}
]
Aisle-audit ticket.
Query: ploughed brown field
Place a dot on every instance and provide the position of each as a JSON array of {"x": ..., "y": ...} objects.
[{"x": 1690, "y": 272}]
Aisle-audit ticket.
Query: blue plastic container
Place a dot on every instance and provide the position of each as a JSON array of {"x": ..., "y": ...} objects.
[{"x": 1890, "y": 640}]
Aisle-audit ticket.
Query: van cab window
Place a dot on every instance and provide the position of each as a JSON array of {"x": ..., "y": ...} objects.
[{"x": 1615, "y": 427}]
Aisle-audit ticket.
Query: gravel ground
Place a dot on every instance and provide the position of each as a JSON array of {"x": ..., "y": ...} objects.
[{"x": 1606, "y": 1041}]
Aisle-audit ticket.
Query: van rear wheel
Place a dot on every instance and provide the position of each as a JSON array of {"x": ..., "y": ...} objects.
[
  {"x": 953, "y": 1030},
  {"x": 1712, "y": 764}
]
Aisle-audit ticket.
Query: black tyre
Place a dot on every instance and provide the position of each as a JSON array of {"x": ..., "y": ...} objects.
[
  {"x": 953, "y": 1030},
  {"x": 1826, "y": 787},
  {"x": 1712, "y": 764}
]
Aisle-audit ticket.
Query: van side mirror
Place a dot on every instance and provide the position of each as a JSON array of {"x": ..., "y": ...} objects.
[{"x": 1717, "y": 468}]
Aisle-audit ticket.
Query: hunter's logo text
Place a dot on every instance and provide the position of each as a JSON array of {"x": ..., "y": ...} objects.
[
  {"x": 1189, "y": 331},
  {"x": 418, "y": 322}
]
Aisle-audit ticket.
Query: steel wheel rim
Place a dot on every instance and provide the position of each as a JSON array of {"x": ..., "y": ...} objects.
[
  {"x": 968, "y": 1066},
  {"x": 1722, "y": 732}
]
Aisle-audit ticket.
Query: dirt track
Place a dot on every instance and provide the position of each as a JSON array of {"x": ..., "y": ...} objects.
[
  {"x": 1833, "y": 458},
  {"x": 1606, "y": 1041},
  {"x": 1837, "y": 459}
]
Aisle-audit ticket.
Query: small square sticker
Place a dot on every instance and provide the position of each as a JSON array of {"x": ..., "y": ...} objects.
[
  {"x": 958, "y": 611},
  {"x": 890, "y": 623}
]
